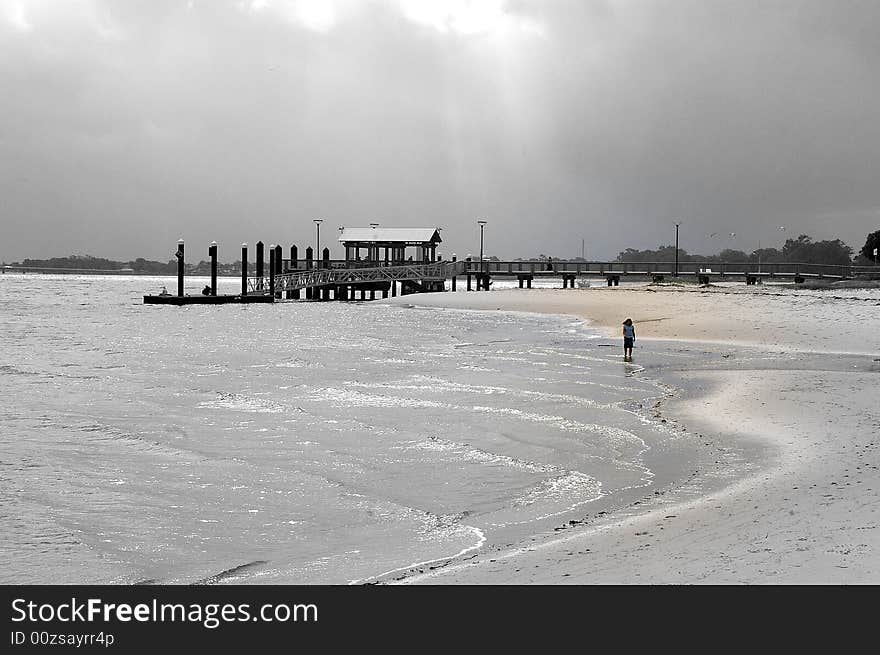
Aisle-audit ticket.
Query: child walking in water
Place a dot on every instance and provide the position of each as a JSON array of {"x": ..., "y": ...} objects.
[{"x": 629, "y": 336}]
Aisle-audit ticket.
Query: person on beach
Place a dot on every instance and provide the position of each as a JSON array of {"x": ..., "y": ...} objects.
[{"x": 629, "y": 337}]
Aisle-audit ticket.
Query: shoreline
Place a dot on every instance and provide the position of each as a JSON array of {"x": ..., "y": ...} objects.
[{"x": 800, "y": 509}]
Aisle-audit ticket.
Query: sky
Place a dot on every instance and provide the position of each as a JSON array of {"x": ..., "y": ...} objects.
[{"x": 564, "y": 124}]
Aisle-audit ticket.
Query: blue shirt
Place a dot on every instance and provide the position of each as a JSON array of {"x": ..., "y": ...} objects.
[{"x": 629, "y": 331}]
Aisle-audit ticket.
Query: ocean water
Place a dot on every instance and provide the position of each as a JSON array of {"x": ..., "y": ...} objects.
[{"x": 301, "y": 442}]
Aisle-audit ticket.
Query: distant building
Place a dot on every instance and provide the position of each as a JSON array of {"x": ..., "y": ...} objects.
[{"x": 390, "y": 245}]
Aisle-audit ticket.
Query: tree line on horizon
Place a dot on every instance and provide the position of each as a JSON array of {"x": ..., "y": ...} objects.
[{"x": 803, "y": 249}]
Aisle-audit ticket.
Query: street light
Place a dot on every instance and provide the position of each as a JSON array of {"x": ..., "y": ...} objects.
[
  {"x": 676, "y": 249},
  {"x": 318, "y": 222},
  {"x": 482, "y": 225}
]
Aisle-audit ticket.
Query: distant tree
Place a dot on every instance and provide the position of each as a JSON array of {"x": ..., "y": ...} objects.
[
  {"x": 804, "y": 249},
  {"x": 662, "y": 254},
  {"x": 768, "y": 255},
  {"x": 872, "y": 242},
  {"x": 728, "y": 255}
]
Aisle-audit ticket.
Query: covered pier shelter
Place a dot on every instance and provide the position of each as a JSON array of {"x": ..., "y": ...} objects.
[{"x": 390, "y": 245}]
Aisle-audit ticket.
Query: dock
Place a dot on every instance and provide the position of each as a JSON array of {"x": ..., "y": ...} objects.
[
  {"x": 378, "y": 264},
  {"x": 206, "y": 300}
]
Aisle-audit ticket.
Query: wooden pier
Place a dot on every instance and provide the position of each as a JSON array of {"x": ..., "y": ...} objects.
[{"x": 384, "y": 272}]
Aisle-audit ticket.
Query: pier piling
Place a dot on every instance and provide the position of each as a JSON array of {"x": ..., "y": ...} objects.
[
  {"x": 180, "y": 268},
  {"x": 259, "y": 264},
  {"x": 272, "y": 271},
  {"x": 294, "y": 265},
  {"x": 212, "y": 252},
  {"x": 244, "y": 269},
  {"x": 310, "y": 291},
  {"x": 278, "y": 263}
]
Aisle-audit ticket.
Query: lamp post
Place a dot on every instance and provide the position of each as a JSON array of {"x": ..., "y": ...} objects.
[
  {"x": 676, "y": 249},
  {"x": 482, "y": 224},
  {"x": 318, "y": 222}
]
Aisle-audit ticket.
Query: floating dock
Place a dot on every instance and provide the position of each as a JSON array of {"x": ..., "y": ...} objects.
[{"x": 205, "y": 300}]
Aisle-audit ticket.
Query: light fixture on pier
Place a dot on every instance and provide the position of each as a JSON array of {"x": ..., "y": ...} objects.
[
  {"x": 317, "y": 222},
  {"x": 482, "y": 224},
  {"x": 676, "y": 248}
]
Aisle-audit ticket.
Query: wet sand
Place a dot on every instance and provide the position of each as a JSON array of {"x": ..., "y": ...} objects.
[{"x": 793, "y": 418}]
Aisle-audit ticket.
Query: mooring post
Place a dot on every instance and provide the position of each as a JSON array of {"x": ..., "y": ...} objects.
[
  {"x": 294, "y": 264},
  {"x": 259, "y": 265},
  {"x": 289, "y": 294},
  {"x": 393, "y": 288},
  {"x": 212, "y": 253},
  {"x": 468, "y": 260},
  {"x": 325, "y": 264},
  {"x": 309, "y": 263},
  {"x": 180, "y": 267},
  {"x": 244, "y": 269},
  {"x": 272, "y": 271},
  {"x": 277, "y": 266},
  {"x": 453, "y": 271}
]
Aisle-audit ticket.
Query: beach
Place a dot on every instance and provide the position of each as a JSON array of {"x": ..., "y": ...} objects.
[{"x": 782, "y": 384}]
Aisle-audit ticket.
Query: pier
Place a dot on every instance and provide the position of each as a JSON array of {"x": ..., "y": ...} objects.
[{"x": 378, "y": 264}]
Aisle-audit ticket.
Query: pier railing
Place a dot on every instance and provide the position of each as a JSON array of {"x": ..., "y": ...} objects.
[
  {"x": 320, "y": 277},
  {"x": 582, "y": 268}
]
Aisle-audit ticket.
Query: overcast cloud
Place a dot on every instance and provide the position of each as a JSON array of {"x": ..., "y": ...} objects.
[{"x": 126, "y": 124}]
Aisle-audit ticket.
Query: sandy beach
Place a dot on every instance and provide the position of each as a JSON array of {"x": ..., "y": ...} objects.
[{"x": 793, "y": 402}]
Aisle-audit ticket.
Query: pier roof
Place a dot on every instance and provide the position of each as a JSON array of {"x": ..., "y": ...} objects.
[{"x": 408, "y": 235}]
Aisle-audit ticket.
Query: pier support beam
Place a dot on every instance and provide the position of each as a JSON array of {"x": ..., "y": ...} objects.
[
  {"x": 181, "y": 267},
  {"x": 260, "y": 265},
  {"x": 310, "y": 291},
  {"x": 393, "y": 288},
  {"x": 212, "y": 253},
  {"x": 453, "y": 277},
  {"x": 278, "y": 264},
  {"x": 244, "y": 269},
  {"x": 294, "y": 265},
  {"x": 272, "y": 271}
]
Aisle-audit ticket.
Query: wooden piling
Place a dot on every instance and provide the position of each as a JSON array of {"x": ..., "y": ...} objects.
[
  {"x": 259, "y": 264},
  {"x": 180, "y": 268},
  {"x": 279, "y": 260},
  {"x": 244, "y": 269},
  {"x": 212, "y": 253},
  {"x": 272, "y": 271},
  {"x": 294, "y": 265},
  {"x": 309, "y": 263},
  {"x": 453, "y": 274}
]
